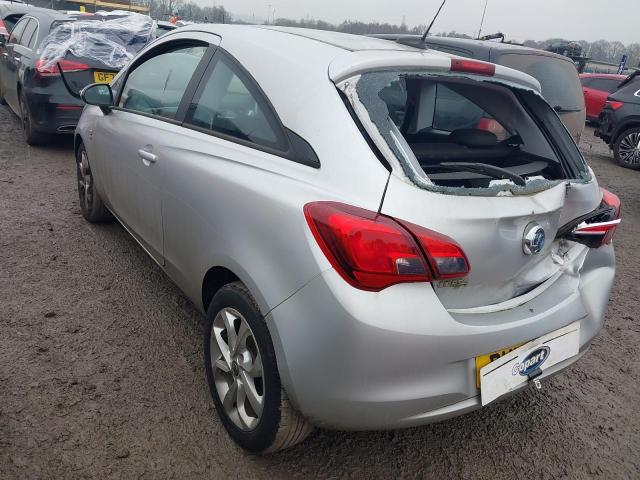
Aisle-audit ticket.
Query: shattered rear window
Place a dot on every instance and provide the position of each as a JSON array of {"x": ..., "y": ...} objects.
[{"x": 452, "y": 132}]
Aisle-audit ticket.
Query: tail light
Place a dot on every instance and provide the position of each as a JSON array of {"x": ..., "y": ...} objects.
[
  {"x": 473, "y": 66},
  {"x": 372, "y": 251},
  {"x": 615, "y": 105},
  {"x": 48, "y": 68},
  {"x": 598, "y": 229}
]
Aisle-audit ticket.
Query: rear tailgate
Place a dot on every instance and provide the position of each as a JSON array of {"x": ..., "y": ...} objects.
[
  {"x": 90, "y": 70},
  {"x": 491, "y": 232},
  {"x": 489, "y": 216}
]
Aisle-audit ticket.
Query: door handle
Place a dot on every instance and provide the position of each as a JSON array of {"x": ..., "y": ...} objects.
[{"x": 147, "y": 157}]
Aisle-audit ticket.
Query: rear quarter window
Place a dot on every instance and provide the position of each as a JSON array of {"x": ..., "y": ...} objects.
[{"x": 559, "y": 78}]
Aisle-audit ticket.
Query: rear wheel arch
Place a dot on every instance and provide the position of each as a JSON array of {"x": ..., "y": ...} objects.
[
  {"x": 633, "y": 122},
  {"x": 77, "y": 140},
  {"x": 215, "y": 278}
]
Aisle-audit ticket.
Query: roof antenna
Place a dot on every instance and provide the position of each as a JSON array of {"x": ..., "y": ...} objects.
[
  {"x": 424, "y": 36},
  {"x": 484, "y": 12}
]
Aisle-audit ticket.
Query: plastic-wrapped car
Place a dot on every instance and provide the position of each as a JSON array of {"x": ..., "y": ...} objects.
[{"x": 87, "y": 48}]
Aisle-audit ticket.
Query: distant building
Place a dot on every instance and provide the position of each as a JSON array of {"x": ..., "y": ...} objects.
[{"x": 140, "y": 6}]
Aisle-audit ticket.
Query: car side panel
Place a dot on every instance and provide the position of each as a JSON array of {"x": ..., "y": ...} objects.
[
  {"x": 594, "y": 100},
  {"x": 225, "y": 204}
]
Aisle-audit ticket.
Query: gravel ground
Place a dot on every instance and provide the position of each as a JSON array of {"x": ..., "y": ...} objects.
[{"x": 101, "y": 370}]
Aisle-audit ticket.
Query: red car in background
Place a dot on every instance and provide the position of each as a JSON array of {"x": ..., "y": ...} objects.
[{"x": 596, "y": 88}]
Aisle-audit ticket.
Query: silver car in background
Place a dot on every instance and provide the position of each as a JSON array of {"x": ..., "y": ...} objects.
[{"x": 380, "y": 236}]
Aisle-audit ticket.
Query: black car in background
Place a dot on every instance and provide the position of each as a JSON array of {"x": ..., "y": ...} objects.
[
  {"x": 88, "y": 49},
  {"x": 619, "y": 123},
  {"x": 557, "y": 74}
]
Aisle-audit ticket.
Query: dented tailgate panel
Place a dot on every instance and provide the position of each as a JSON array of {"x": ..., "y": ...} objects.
[{"x": 491, "y": 230}]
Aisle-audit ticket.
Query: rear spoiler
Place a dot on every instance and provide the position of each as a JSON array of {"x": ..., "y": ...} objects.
[{"x": 350, "y": 64}]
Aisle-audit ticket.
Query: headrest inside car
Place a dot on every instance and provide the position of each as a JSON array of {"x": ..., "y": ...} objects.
[{"x": 471, "y": 137}]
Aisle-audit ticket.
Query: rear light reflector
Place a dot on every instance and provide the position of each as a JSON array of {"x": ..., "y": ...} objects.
[
  {"x": 473, "y": 66},
  {"x": 598, "y": 229},
  {"x": 372, "y": 251},
  {"x": 446, "y": 258},
  {"x": 47, "y": 68},
  {"x": 614, "y": 104},
  {"x": 611, "y": 200}
]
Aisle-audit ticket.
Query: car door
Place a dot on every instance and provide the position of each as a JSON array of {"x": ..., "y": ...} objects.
[
  {"x": 232, "y": 148},
  {"x": 23, "y": 52},
  {"x": 131, "y": 140},
  {"x": 598, "y": 92},
  {"x": 11, "y": 62},
  {"x": 588, "y": 95},
  {"x": 597, "y": 96}
]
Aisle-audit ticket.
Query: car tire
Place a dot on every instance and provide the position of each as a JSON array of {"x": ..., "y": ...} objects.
[
  {"x": 91, "y": 204},
  {"x": 31, "y": 135},
  {"x": 277, "y": 426},
  {"x": 626, "y": 149}
]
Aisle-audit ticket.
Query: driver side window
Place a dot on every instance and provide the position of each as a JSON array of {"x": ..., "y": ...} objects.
[{"x": 156, "y": 86}]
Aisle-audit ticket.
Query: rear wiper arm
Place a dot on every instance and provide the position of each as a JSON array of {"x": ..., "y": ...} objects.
[
  {"x": 484, "y": 169},
  {"x": 561, "y": 109}
]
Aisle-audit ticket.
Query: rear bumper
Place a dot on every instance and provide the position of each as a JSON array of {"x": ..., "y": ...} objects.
[
  {"x": 53, "y": 113},
  {"x": 606, "y": 129},
  {"x": 359, "y": 360}
]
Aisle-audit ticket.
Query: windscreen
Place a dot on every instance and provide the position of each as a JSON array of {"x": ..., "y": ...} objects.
[
  {"x": 462, "y": 133},
  {"x": 559, "y": 78}
]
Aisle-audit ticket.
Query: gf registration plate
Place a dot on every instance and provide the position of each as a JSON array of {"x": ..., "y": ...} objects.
[
  {"x": 516, "y": 367},
  {"x": 103, "y": 77}
]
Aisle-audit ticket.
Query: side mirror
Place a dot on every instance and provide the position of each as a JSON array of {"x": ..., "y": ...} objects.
[{"x": 98, "y": 94}]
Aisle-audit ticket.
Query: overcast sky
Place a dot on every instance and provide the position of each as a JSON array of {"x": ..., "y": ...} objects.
[{"x": 518, "y": 19}]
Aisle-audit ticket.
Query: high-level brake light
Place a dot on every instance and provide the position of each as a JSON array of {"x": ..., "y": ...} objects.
[{"x": 473, "y": 66}]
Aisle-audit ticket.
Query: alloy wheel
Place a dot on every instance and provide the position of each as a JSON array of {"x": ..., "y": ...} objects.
[
  {"x": 85, "y": 182},
  {"x": 629, "y": 149},
  {"x": 237, "y": 369}
]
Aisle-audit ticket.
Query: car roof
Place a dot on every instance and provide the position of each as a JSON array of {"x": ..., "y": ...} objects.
[
  {"x": 50, "y": 14},
  {"x": 9, "y": 8},
  {"x": 344, "y": 41},
  {"x": 340, "y": 52},
  {"x": 166, "y": 25},
  {"x": 480, "y": 48}
]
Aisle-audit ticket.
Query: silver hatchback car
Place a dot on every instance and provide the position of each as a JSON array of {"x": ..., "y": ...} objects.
[{"x": 380, "y": 236}]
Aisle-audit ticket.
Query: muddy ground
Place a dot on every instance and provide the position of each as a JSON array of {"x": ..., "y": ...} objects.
[{"x": 101, "y": 370}]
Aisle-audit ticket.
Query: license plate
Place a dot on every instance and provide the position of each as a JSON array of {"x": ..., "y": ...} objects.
[
  {"x": 487, "y": 358},
  {"x": 103, "y": 77},
  {"x": 513, "y": 369}
]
